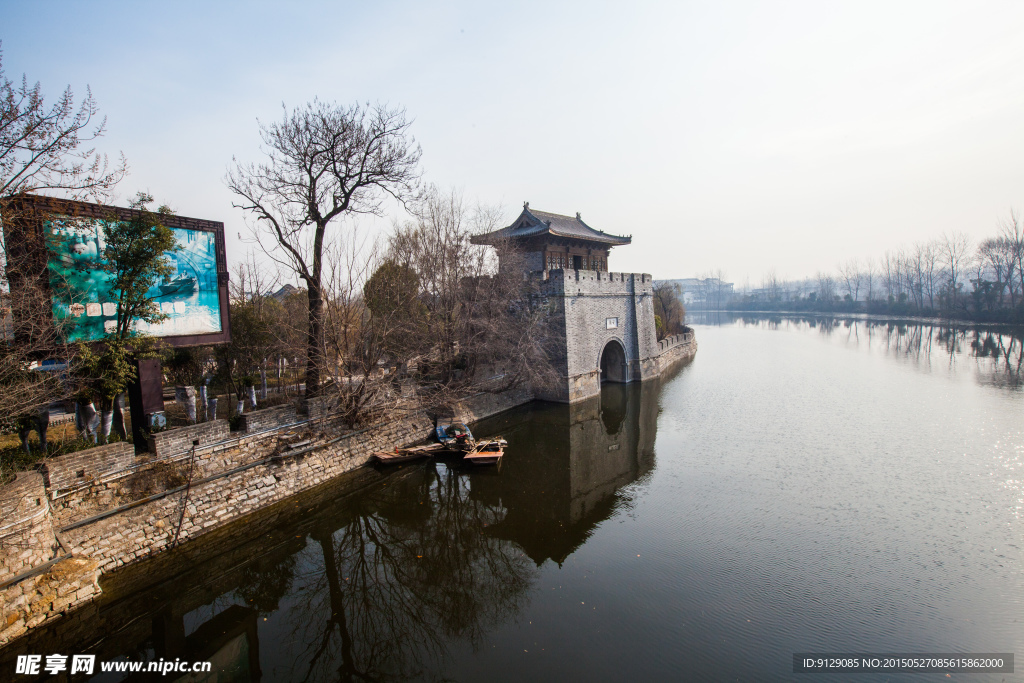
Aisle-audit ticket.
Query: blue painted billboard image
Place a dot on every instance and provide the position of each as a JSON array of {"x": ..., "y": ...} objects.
[{"x": 85, "y": 307}]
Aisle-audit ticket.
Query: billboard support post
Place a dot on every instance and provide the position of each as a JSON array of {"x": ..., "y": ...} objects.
[{"x": 145, "y": 396}]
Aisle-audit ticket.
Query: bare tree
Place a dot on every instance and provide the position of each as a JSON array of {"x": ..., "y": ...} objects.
[
  {"x": 41, "y": 147},
  {"x": 324, "y": 162},
  {"x": 669, "y": 312},
  {"x": 996, "y": 258},
  {"x": 772, "y": 285},
  {"x": 955, "y": 249},
  {"x": 868, "y": 277},
  {"x": 826, "y": 288},
  {"x": 482, "y": 328},
  {"x": 850, "y": 275},
  {"x": 1013, "y": 233}
]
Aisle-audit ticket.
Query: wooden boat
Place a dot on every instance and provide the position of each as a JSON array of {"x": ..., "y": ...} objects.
[
  {"x": 455, "y": 437},
  {"x": 486, "y": 452},
  {"x": 406, "y": 454}
]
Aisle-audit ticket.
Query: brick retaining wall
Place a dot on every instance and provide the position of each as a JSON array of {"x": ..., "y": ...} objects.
[
  {"x": 269, "y": 418},
  {"x": 479, "y": 406},
  {"x": 180, "y": 439},
  {"x": 95, "y": 464}
]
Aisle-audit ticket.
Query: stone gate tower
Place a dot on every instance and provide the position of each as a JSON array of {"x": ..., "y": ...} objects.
[{"x": 604, "y": 320}]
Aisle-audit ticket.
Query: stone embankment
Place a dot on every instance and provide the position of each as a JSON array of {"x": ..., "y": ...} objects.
[
  {"x": 672, "y": 350},
  {"x": 87, "y": 513}
]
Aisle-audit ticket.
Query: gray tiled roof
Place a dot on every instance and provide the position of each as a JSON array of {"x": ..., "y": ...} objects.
[{"x": 532, "y": 222}]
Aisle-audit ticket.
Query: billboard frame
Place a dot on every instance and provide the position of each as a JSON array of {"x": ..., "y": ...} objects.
[{"x": 25, "y": 239}]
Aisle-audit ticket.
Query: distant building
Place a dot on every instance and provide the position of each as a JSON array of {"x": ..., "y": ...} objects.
[
  {"x": 703, "y": 292},
  {"x": 284, "y": 292}
]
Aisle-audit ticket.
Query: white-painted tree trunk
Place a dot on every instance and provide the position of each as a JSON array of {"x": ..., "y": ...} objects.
[
  {"x": 186, "y": 397},
  {"x": 211, "y": 409},
  {"x": 106, "y": 422},
  {"x": 87, "y": 420},
  {"x": 252, "y": 397},
  {"x": 203, "y": 398}
]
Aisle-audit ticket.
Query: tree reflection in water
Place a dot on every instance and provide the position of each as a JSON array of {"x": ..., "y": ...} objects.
[
  {"x": 408, "y": 569},
  {"x": 994, "y": 355}
]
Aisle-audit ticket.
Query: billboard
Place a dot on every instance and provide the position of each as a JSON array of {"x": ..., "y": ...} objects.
[
  {"x": 59, "y": 244},
  {"x": 85, "y": 306}
]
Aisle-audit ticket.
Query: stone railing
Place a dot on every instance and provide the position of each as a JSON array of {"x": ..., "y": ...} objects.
[{"x": 674, "y": 341}]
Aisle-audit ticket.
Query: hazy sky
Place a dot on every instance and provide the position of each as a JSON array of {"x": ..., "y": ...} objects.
[{"x": 731, "y": 135}]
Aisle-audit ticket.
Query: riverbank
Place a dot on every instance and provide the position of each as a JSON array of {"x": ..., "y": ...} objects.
[
  {"x": 85, "y": 514},
  {"x": 90, "y": 512}
]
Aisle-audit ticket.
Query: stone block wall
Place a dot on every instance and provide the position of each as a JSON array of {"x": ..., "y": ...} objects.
[
  {"x": 582, "y": 302},
  {"x": 180, "y": 439},
  {"x": 682, "y": 347},
  {"x": 79, "y": 469},
  {"x": 143, "y": 530},
  {"x": 479, "y": 406},
  {"x": 44, "y": 597},
  {"x": 26, "y": 527}
]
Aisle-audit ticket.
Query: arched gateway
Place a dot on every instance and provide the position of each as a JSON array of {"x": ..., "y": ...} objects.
[{"x": 613, "y": 363}]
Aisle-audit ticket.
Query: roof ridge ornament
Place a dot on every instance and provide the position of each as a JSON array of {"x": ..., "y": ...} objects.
[
  {"x": 526, "y": 205},
  {"x": 578, "y": 217}
]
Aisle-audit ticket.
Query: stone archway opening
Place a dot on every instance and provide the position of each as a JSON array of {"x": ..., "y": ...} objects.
[{"x": 613, "y": 363}]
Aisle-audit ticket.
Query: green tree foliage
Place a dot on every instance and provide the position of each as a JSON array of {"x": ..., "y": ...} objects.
[
  {"x": 135, "y": 256},
  {"x": 256, "y": 320},
  {"x": 669, "y": 312},
  {"x": 186, "y": 366},
  {"x": 106, "y": 370}
]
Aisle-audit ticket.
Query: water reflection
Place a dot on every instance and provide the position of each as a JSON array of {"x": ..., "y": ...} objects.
[
  {"x": 574, "y": 464},
  {"x": 379, "y": 585},
  {"x": 995, "y": 356}
]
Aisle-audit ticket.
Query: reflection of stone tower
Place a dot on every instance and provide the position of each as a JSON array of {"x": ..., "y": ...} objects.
[
  {"x": 573, "y": 463},
  {"x": 604, "y": 321}
]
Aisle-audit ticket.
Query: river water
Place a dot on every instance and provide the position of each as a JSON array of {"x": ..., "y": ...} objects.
[{"x": 802, "y": 485}]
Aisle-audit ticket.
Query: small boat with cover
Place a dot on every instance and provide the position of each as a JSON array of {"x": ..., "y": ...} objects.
[{"x": 455, "y": 436}]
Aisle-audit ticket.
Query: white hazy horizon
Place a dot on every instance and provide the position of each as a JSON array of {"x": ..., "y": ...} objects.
[{"x": 735, "y": 136}]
